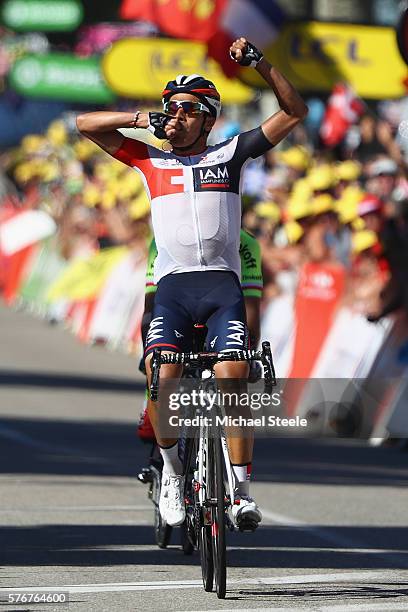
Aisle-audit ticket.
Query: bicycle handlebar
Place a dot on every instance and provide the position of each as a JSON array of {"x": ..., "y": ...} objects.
[{"x": 208, "y": 360}]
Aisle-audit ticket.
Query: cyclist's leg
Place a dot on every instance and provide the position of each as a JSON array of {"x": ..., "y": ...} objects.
[
  {"x": 169, "y": 330},
  {"x": 171, "y": 333},
  {"x": 227, "y": 331}
]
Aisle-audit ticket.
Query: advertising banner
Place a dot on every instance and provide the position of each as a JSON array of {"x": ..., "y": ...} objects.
[
  {"x": 320, "y": 288},
  {"x": 42, "y": 15},
  {"x": 83, "y": 279},
  {"x": 61, "y": 76},
  {"x": 140, "y": 68},
  {"x": 315, "y": 56}
]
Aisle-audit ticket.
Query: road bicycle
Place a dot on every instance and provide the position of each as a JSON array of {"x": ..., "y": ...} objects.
[{"x": 209, "y": 480}]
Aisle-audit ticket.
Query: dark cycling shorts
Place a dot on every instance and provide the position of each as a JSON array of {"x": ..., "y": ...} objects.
[{"x": 212, "y": 298}]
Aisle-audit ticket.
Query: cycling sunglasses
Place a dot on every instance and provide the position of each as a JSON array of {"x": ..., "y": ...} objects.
[{"x": 190, "y": 108}]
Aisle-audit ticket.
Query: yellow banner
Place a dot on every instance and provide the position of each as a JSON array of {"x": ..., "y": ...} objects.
[
  {"x": 315, "y": 56},
  {"x": 140, "y": 68},
  {"x": 83, "y": 279}
]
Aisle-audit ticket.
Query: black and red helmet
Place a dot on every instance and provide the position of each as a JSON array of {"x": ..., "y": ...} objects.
[{"x": 198, "y": 86}]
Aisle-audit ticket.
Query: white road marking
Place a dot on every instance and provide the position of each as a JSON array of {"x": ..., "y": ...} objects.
[
  {"x": 32, "y": 510},
  {"x": 381, "y": 607},
  {"x": 339, "y": 577},
  {"x": 364, "y": 551},
  {"x": 328, "y": 535}
]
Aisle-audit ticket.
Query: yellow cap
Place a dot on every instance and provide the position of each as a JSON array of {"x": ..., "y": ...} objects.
[
  {"x": 124, "y": 191},
  {"x": 133, "y": 182},
  {"x": 348, "y": 170},
  {"x": 92, "y": 195},
  {"x": 32, "y": 143},
  {"x": 301, "y": 189},
  {"x": 346, "y": 206},
  {"x": 296, "y": 157},
  {"x": 358, "y": 224},
  {"x": 57, "y": 134},
  {"x": 363, "y": 240},
  {"x": 298, "y": 208},
  {"x": 293, "y": 231},
  {"x": 322, "y": 203},
  {"x": 347, "y": 211},
  {"x": 268, "y": 210},
  {"x": 49, "y": 171},
  {"x": 84, "y": 149},
  {"x": 24, "y": 172},
  {"x": 139, "y": 207},
  {"x": 108, "y": 199},
  {"x": 322, "y": 177},
  {"x": 103, "y": 171},
  {"x": 119, "y": 169}
]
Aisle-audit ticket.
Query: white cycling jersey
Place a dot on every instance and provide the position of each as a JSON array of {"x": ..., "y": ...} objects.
[{"x": 195, "y": 201}]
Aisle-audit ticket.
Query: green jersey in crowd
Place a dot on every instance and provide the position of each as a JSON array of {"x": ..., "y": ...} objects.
[{"x": 251, "y": 270}]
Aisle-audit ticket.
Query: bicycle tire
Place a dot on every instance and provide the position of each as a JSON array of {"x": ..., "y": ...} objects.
[
  {"x": 206, "y": 557},
  {"x": 218, "y": 536},
  {"x": 186, "y": 545},
  {"x": 204, "y": 538},
  {"x": 162, "y": 531},
  {"x": 187, "y": 529}
]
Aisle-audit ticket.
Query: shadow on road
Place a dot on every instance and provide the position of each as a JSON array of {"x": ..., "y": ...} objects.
[
  {"x": 112, "y": 545},
  {"x": 329, "y": 461},
  {"x": 82, "y": 448},
  {"x": 69, "y": 447},
  {"x": 13, "y": 378},
  {"x": 340, "y": 593}
]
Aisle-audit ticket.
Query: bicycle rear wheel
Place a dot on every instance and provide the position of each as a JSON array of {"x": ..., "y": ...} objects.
[{"x": 217, "y": 493}]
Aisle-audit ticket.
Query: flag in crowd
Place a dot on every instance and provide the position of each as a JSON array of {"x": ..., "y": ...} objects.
[
  {"x": 214, "y": 22},
  {"x": 343, "y": 109}
]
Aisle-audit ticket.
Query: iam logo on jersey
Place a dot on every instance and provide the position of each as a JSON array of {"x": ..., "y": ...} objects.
[{"x": 213, "y": 177}]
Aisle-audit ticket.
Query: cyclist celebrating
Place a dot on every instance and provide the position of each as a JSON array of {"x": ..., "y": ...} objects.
[{"x": 196, "y": 217}]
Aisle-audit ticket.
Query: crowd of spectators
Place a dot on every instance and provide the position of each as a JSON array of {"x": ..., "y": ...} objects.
[{"x": 303, "y": 203}]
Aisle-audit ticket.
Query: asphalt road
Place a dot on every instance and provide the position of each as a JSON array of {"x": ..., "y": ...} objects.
[{"x": 73, "y": 517}]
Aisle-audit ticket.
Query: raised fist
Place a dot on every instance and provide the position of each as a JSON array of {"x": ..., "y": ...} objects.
[{"x": 245, "y": 53}]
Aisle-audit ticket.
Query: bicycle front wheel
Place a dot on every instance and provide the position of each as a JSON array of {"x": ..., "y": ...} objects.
[
  {"x": 217, "y": 492},
  {"x": 162, "y": 531}
]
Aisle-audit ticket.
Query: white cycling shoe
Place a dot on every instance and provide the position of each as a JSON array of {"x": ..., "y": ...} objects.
[
  {"x": 171, "y": 503},
  {"x": 246, "y": 513}
]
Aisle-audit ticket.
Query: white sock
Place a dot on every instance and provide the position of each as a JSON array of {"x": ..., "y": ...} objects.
[
  {"x": 242, "y": 475},
  {"x": 171, "y": 461}
]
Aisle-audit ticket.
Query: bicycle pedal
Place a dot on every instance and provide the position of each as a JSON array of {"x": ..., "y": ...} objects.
[
  {"x": 145, "y": 476},
  {"x": 248, "y": 525}
]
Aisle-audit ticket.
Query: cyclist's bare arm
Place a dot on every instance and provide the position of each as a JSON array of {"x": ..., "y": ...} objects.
[
  {"x": 293, "y": 109},
  {"x": 102, "y": 127}
]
